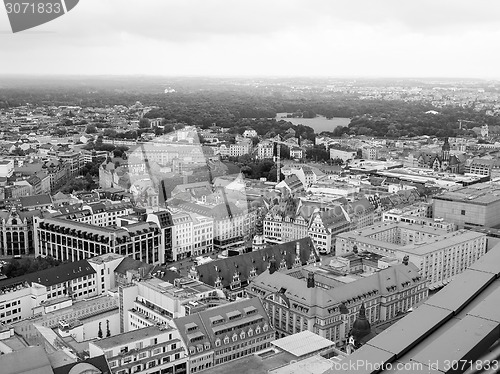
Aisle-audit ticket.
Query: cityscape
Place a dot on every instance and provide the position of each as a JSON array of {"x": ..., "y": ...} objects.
[{"x": 200, "y": 216}]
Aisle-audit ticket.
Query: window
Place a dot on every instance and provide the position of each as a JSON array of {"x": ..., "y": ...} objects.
[{"x": 462, "y": 212}]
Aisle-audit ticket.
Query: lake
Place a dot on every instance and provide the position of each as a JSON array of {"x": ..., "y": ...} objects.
[{"x": 319, "y": 123}]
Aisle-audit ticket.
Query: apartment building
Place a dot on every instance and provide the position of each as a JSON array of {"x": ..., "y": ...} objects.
[
  {"x": 265, "y": 150},
  {"x": 155, "y": 301},
  {"x": 440, "y": 255},
  {"x": 68, "y": 240},
  {"x": 226, "y": 333},
  {"x": 231, "y": 223},
  {"x": 182, "y": 235},
  {"x": 203, "y": 234},
  {"x": 163, "y": 219},
  {"x": 149, "y": 350},
  {"x": 103, "y": 214},
  {"x": 46, "y": 291}
]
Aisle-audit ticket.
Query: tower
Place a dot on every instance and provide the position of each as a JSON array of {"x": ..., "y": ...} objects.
[
  {"x": 445, "y": 150},
  {"x": 258, "y": 240}
]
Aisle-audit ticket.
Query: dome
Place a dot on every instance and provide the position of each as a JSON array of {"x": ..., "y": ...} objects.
[{"x": 361, "y": 327}]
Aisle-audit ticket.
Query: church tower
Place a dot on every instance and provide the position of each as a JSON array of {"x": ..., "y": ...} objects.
[
  {"x": 258, "y": 240},
  {"x": 446, "y": 151}
]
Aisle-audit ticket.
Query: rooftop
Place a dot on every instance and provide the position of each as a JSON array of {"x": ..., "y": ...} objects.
[
  {"x": 303, "y": 343},
  {"x": 129, "y": 337},
  {"x": 481, "y": 193},
  {"x": 435, "y": 331}
]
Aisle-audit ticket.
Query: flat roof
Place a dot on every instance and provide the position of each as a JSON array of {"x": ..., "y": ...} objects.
[
  {"x": 464, "y": 288},
  {"x": 458, "y": 342},
  {"x": 361, "y": 360},
  {"x": 303, "y": 343},
  {"x": 128, "y": 337},
  {"x": 311, "y": 365},
  {"x": 469, "y": 334},
  {"x": 410, "y": 329}
]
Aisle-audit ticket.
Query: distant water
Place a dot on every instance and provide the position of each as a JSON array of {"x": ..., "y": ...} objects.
[{"x": 319, "y": 123}]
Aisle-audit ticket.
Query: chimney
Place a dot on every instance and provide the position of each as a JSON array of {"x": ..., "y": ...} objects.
[
  {"x": 310, "y": 280},
  {"x": 272, "y": 265}
]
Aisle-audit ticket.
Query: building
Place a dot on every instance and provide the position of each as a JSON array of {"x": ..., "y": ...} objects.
[
  {"x": 228, "y": 332},
  {"x": 233, "y": 274},
  {"x": 74, "y": 160},
  {"x": 47, "y": 290},
  {"x": 299, "y": 300},
  {"x": 431, "y": 338},
  {"x": 440, "y": 255},
  {"x": 67, "y": 240},
  {"x": 231, "y": 223},
  {"x": 477, "y": 205},
  {"x": 203, "y": 234},
  {"x": 6, "y": 168},
  {"x": 344, "y": 154},
  {"x": 16, "y": 232},
  {"x": 250, "y": 133},
  {"x": 182, "y": 235},
  {"x": 265, "y": 150},
  {"x": 149, "y": 350},
  {"x": 163, "y": 219},
  {"x": 102, "y": 214},
  {"x": 370, "y": 152}
]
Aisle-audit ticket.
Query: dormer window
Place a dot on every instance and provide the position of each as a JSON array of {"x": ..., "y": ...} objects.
[
  {"x": 226, "y": 340},
  {"x": 250, "y": 332},
  {"x": 217, "y": 343},
  {"x": 242, "y": 335},
  {"x": 266, "y": 327},
  {"x": 257, "y": 330},
  {"x": 235, "y": 337}
]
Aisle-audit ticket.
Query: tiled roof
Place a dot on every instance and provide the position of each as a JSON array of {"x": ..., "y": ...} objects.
[
  {"x": 203, "y": 329},
  {"x": 58, "y": 274},
  {"x": 244, "y": 263}
]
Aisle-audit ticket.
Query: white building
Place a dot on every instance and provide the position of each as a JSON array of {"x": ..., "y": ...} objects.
[
  {"x": 182, "y": 235},
  {"x": 265, "y": 150},
  {"x": 440, "y": 255},
  {"x": 149, "y": 350}
]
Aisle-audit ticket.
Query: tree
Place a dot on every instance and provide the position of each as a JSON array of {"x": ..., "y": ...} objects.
[
  {"x": 144, "y": 123},
  {"x": 28, "y": 265},
  {"x": 91, "y": 129}
]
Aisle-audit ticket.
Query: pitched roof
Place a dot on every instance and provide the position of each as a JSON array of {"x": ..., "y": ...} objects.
[
  {"x": 244, "y": 263},
  {"x": 59, "y": 274},
  {"x": 204, "y": 325},
  {"x": 319, "y": 299},
  {"x": 98, "y": 362},
  {"x": 129, "y": 263}
]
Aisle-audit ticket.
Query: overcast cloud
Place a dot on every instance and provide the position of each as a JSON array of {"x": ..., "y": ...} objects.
[{"x": 418, "y": 38}]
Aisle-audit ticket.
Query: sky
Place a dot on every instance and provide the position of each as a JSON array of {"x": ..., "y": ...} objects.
[{"x": 331, "y": 38}]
